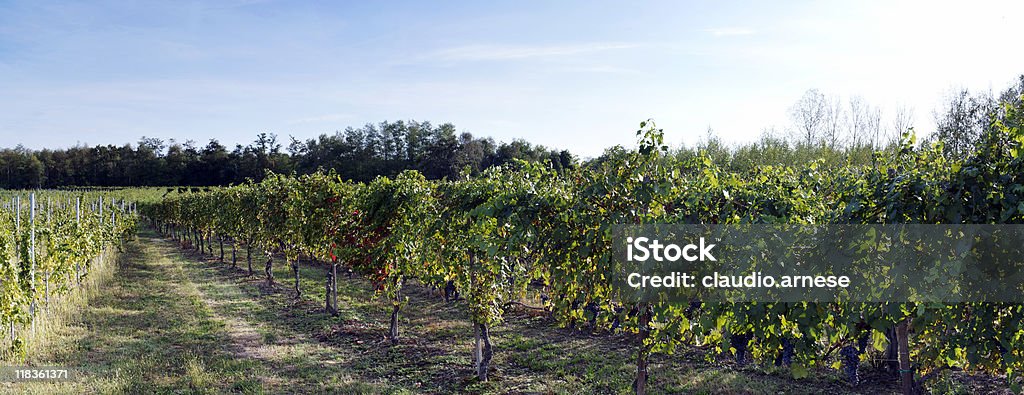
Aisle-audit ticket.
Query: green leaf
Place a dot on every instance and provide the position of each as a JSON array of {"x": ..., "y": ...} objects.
[
  {"x": 879, "y": 341},
  {"x": 799, "y": 371}
]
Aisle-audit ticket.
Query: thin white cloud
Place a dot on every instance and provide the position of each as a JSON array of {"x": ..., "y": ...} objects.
[
  {"x": 510, "y": 52},
  {"x": 729, "y": 31}
]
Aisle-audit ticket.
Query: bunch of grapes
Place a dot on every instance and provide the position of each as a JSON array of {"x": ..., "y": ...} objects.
[
  {"x": 785, "y": 357},
  {"x": 740, "y": 342},
  {"x": 862, "y": 341},
  {"x": 593, "y": 311},
  {"x": 851, "y": 361}
]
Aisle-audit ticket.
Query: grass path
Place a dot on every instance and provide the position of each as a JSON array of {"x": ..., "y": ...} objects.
[
  {"x": 175, "y": 322},
  {"x": 147, "y": 331}
]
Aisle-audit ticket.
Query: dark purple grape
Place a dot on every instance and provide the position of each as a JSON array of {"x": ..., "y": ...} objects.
[
  {"x": 862, "y": 341},
  {"x": 851, "y": 362},
  {"x": 740, "y": 342},
  {"x": 594, "y": 311},
  {"x": 450, "y": 292},
  {"x": 785, "y": 357}
]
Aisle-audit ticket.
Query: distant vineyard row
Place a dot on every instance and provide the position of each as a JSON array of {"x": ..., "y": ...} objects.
[{"x": 495, "y": 237}]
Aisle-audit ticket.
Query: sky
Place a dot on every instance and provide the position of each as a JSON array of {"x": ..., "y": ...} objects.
[{"x": 576, "y": 75}]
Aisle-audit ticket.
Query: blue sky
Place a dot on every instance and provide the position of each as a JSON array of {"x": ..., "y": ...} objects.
[{"x": 578, "y": 75}]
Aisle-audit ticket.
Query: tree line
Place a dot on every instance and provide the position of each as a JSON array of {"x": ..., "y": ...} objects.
[
  {"x": 359, "y": 154},
  {"x": 820, "y": 120}
]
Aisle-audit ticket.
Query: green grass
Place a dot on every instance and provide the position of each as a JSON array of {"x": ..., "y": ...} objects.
[
  {"x": 174, "y": 322},
  {"x": 146, "y": 331}
]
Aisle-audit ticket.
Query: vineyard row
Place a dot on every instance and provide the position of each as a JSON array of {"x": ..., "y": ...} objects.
[
  {"x": 525, "y": 228},
  {"x": 50, "y": 242}
]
